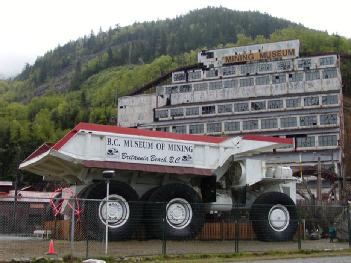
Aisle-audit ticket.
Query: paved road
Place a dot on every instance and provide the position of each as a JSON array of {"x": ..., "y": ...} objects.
[{"x": 343, "y": 259}]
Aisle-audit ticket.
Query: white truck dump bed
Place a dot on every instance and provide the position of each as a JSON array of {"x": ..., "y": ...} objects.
[{"x": 111, "y": 147}]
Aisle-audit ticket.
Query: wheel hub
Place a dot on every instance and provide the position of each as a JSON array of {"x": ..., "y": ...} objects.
[
  {"x": 115, "y": 212},
  {"x": 178, "y": 213},
  {"x": 279, "y": 218}
]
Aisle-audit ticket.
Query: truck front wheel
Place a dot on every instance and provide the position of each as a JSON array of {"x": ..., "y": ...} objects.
[
  {"x": 182, "y": 209},
  {"x": 274, "y": 217},
  {"x": 121, "y": 213}
]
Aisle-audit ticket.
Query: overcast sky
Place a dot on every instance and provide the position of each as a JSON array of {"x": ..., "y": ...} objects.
[{"x": 29, "y": 28}]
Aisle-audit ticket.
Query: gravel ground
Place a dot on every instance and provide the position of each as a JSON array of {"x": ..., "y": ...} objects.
[{"x": 15, "y": 248}]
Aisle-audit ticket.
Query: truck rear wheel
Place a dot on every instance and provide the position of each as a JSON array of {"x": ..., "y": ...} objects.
[
  {"x": 122, "y": 211},
  {"x": 274, "y": 217},
  {"x": 182, "y": 208}
]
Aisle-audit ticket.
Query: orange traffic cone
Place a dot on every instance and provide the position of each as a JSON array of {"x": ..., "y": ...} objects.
[{"x": 51, "y": 250}]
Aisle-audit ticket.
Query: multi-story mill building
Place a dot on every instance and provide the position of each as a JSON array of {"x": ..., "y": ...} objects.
[{"x": 257, "y": 89}]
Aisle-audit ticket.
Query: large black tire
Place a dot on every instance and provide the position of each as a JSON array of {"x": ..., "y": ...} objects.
[
  {"x": 123, "y": 227},
  {"x": 173, "y": 201},
  {"x": 274, "y": 217}
]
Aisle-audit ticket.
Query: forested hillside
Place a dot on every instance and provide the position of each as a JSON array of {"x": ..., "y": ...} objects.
[{"x": 82, "y": 80}]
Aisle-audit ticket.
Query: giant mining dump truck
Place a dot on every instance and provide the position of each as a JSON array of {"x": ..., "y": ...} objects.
[{"x": 182, "y": 177}]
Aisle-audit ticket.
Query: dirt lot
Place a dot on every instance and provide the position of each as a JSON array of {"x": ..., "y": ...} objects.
[{"x": 26, "y": 247}]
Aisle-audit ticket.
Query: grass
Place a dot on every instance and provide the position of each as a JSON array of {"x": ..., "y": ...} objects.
[{"x": 211, "y": 258}]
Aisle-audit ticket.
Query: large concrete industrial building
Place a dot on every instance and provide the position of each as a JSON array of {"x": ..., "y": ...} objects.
[{"x": 262, "y": 89}]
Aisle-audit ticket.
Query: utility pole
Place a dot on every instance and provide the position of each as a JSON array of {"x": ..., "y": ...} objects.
[{"x": 319, "y": 180}]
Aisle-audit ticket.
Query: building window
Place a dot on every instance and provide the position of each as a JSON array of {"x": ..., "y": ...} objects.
[
  {"x": 263, "y": 80},
  {"x": 161, "y": 114},
  {"x": 269, "y": 123},
  {"x": 264, "y": 67},
  {"x": 214, "y": 127},
  {"x": 215, "y": 85},
  {"x": 163, "y": 129},
  {"x": 194, "y": 75},
  {"x": 171, "y": 89},
  {"x": 312, "y": 75},
  {"x": 329, "y": 73},
  {"x": 208, "y": 110},
  {"x": 304, "y": 63},
  {"x": 288, "y": 122},
  {"x": 293, "y": 103},
  {"x": 231, "y": 83},
  {"x": 193, "y": 111},
  {"x": 329, "y": 99},
  {"x": 228, "y": 71},
  {"x": 200, "y": 86},
  {"x": 225, "y": 108},
  {"x": 305, "y": 141},
  {"x": 179, "y": 76},
  {"x": 232, "y": 126},
  {"x": 246, "y": 82},
  {"x": 326, "y": 61},
  {"x": 250, "y": 125},
  {"x": 184, "y": 88},
  {"x": 294, "y": 77},
  {"x": 328, "y": 119},
  {"x": 277, "y": 79},
  {"x": 177, "y": 112},
  {"x": 275, "y": 104},
  {"x": 179, "y": 129},
  {"x": 241, "y": 106},
  {"x": 246, "y": 69},
  {"x": 196, "y": 128},
  {"x": 258, "y": 105},
  {"x": 310, "y": 120},
  {"x": 284, "y": 65},
  {"x": 311, "y": 101},
  {"x": 327, "y": 140},
  {"x": 212, "y": 73}
]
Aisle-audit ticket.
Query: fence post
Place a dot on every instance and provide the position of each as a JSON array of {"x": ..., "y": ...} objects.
[
  {"x": 349, "y": 224},
  {"x": 164, "y": 222},
  {"x": 236, "y": 226},
  {"x": 299, "y": 233},
  {"x": 72, "y": 227}
]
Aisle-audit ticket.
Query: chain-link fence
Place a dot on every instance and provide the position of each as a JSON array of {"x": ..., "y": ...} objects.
[{"x": 78, "y": 227}]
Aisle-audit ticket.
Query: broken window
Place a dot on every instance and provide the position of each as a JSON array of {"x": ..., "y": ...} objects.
[
  {"x": 258, "y": 105},
  {"x": 194, "y": 75},
  {"x": 228, "y": 71},
  {"x": 275, "y": 104},
  {"x": 231, "y": 83},
  {"x": 246, "y": 69},
  {"x": 311, "y": 101},
  {"x": 184, "y": 88},
  {"x": 163, "y": 129},
  {"x": 284, "y": 65},
  {"x": 177, "y": 112},
  {"x": 161, "y": 114},
  {"x": 208, "y": 109},
  {"x": 304, "y": 63},
  {"x": 294, "y": 77},
  {"x": 241, "y": 106},
  {"x": 277, "y": 79},
  {"x": 179, "y": 76},
  {"x": 264, "y": 67},
  {"x": 212, "y": 73},
  {"x": 310, "y": 120},
  {"x": 179, "y": 129}
]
